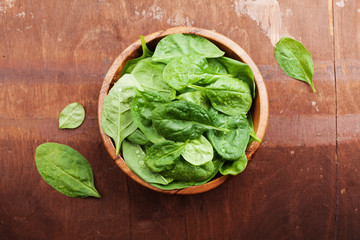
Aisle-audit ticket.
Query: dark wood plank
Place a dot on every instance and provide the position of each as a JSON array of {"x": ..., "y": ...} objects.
[
  {"x": 347, "y": 46},
  {"x": 56, "y": 52}
]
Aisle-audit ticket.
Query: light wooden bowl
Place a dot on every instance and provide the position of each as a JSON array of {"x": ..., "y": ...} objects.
[{"x": 260, "y": 108}]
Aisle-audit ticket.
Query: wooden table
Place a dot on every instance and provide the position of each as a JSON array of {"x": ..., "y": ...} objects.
[{"x": 303, "y": 183}]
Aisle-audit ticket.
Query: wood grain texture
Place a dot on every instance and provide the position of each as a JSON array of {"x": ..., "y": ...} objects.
[
  {"x": 56, "y": 52},
  {"x": 347, "y": 65}
]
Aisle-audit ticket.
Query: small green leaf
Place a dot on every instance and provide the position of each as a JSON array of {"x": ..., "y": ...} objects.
[
  {"x": 66, "y": 170},
  {"x": 196, "y": 97},
  {"x": 198, "y": 151},
  {"x": 295, "y": 60},
  {"x": 235, "y": 167},
  {"x": 72, "y": 116}
]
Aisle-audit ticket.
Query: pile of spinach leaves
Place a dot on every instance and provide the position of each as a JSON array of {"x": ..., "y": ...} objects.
[{"x": 180, "y": 114}]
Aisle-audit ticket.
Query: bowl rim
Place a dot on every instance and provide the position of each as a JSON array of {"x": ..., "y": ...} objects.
[{"x": 130, "y": 52}]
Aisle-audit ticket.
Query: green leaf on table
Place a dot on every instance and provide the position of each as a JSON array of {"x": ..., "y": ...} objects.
[
  {"x": 295, "y": 60},
  {"x": 66, "y": 170},
  {"x": 198, "y": 151},
  {"x": 228, "y": 95},
  {"x": 182, "y": 120},
  {"x": 72, "y": 116},
  {"x": 178, "y": 45},
  {"x": 116, "y": 119},
  {"x": 134, "y": 157}
]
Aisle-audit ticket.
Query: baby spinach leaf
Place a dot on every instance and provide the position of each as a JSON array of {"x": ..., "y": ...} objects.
[
  {"x": 134, "y": 157},
  {"x": 196, "y": 97},
  {"x": 228, "y": 95},
  {"x": 162, "y": 156},
  {"x": 141, "y": 111},
  {"x": 185, "y": 171},
  {"x": 116, "y": 116},
  {"x": 180, "y": 72},
  {"x": 295, "y": 60},
  {"x": 182, "y": 120},
  {"x": 216, "y": 66},
  {"x": 150, "y": 76},
  {"x": 177, "y": 45},
  {"x": 66, "y": 170},
  {"x": 240, "y": 71},
  {"x": 234, "y": 168},
  {"x": 138, "y": 137},
  {"x": 72, "y": 116},
  {"x": 230, "y": 145},
  {"x": 198, "y": 151},
  {"x": 253, "y": 136},
  {"x": 130, "y": 65},
  {"x": 184, "y": 184}
]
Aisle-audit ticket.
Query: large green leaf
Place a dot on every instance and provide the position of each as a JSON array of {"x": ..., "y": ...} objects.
[
  {"x": 66, "y": 170},
  {"x": 116, "y": 116}
]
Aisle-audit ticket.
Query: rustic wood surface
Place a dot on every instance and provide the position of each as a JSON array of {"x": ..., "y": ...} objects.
[{"x": 303, "y": 183}]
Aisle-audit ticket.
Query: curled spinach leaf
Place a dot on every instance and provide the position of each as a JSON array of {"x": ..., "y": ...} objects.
[
  {"x": 66, "y": 170},
  {"x": 178, "y": 45},
  {"x": 228, "y": 95},
  {"x": 131, "y": 64},
  {"x": 240, "y": 71},
  {"x": 196, "y": 97},
  {"x": 182, "y": 120},
  {"x": 230, "y": 145},
  {"x": 149, "y": 74},
  {"x": 184, "y": 184},
  {"x": 198, "y": 151},
  {"x": 72, "y": 116},
  {"x": 185, "y": 171},
  {"x": 253, "y": 136},
  {"x": 235, "y": 167},
  {"x": 141, "y": 112},
  {"x": 162, "y": 156},
  {"x": 116, "y": 116},
  {"x": 134, "y": 157},
  {"x": 295, "y": 60}
]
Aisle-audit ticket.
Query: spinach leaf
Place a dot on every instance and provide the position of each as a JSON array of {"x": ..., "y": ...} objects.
[
  {"x": 116, "y": 116},
  {"x": 196, "y": 97},
  {"x": 198, "y": 151},
  {"x": 184, "y": 184},
  {"x": 240, "y": 71},
  {"x": 295, "y": 60},
  {"x": 134, "y": 157},
  {"x": 216, "y": 66},
  {"x": 253, "y": 136},
  {"x": 234, "y": 168},
  {"x": 231, "y": 145},
  {"x": 182, "y": 120},
  {"x": 72, "y": 116},
  {"x": 66, "y": 170},
  {"x": 185, "y": 171},
  {"x": 130, "y": 65},
  {"x": 228, "y": 95},
  {"x": 177, "y": 45},
  {"x": 180, "y": 72},
  {"x": 150, "y": 76},
  {"x": 138, "y": 137},
  {"x": 141, "y": 112},
  {"x": 162, "y": 156}
]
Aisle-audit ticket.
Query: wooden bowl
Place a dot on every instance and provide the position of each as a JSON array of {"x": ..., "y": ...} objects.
[{"x": 260, "y": 108}]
